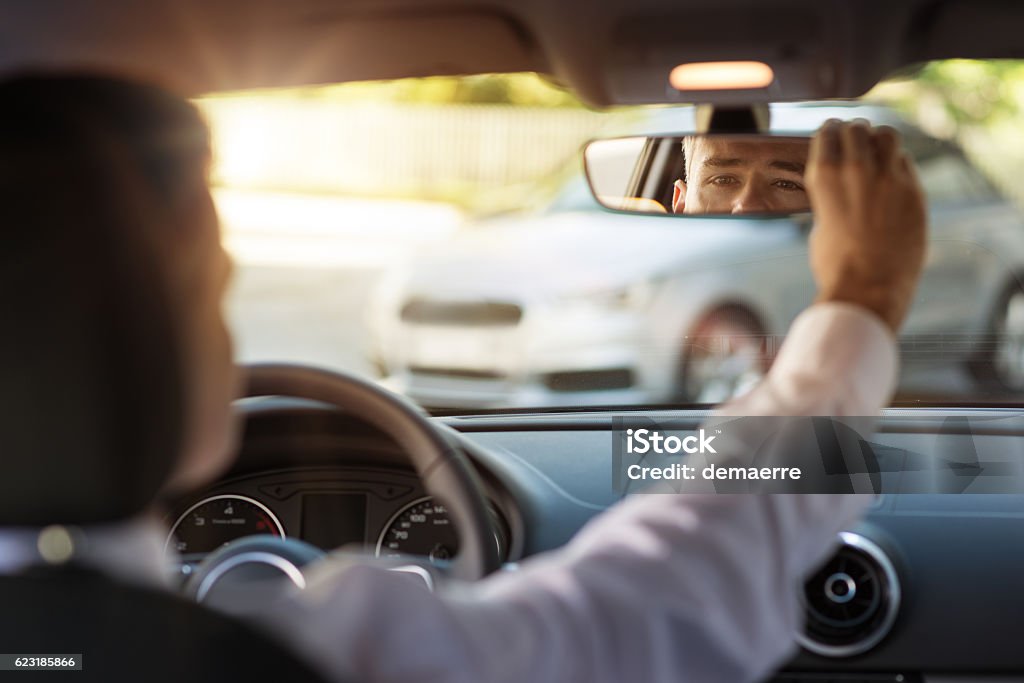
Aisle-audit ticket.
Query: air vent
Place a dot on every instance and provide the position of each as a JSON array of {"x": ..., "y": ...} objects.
[{"x": 851, "y": 602}]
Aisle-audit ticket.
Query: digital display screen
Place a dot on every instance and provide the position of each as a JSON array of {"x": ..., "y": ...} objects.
[{"x": 331, "y": 520}]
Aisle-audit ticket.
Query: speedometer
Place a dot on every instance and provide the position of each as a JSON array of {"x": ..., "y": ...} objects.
[
  {"x": 424, "y": 528},
  {"x": 420, "y": 528},
  {"x": 217, "y": 520}
]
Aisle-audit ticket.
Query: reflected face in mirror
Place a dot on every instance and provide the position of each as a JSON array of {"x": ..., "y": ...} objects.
[{"x": 740, "y": 176}]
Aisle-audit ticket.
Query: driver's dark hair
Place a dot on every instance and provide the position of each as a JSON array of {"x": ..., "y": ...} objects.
[{"x": 92, "y": 171}]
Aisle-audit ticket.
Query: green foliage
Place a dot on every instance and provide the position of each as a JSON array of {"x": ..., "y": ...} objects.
[
  {"x": 975, "y": 92},
  {"x": 515, "y": 89},
  {"x": 520, "y": 89},
  {"x": 952, "y": 97}
]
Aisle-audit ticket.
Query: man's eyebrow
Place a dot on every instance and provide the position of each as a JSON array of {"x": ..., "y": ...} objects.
[
  {"x": 794, "y": 166},
  {"x": 720, "y": 162}
]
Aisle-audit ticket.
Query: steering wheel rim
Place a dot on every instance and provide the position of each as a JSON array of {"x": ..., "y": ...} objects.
[{"x": 441, "y": 465}]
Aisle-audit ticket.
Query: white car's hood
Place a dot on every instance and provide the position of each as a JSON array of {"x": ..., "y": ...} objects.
[{"x": 573, "y": 253}]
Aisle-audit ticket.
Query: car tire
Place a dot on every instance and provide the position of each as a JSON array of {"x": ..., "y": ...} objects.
[
  {"x": 724, "y": 355},
  {"x": 998, "y": 365}
]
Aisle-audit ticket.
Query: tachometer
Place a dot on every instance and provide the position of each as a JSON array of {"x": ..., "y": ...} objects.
[{"x": 217, "y": 520}]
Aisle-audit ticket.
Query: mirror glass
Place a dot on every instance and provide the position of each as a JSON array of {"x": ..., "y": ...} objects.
[{"x": 714, "y": 174}]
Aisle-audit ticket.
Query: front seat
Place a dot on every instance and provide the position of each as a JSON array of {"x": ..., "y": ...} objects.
[{"x": 126, "y": 632}]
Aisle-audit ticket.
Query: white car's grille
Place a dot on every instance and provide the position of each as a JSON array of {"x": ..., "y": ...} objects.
[{"x": 477, "y": 313}]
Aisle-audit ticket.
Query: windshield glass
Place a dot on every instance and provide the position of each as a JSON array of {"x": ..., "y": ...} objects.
[{"x": 437, "y": 235}]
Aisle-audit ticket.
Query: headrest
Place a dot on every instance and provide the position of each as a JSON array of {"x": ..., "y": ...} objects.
[{"x": 91, "y": 398}]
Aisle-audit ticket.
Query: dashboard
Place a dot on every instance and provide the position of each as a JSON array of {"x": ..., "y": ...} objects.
[{"x": 921, "y": 590}]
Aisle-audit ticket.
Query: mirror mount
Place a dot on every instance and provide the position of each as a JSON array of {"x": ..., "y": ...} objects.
[{"x": 749, "y": 119}]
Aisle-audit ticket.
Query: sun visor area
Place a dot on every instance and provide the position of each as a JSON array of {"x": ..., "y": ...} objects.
[
  {"x": 795, "y": 43},
  {"x": 199, "y": 47},
  {"x": 978, "y": 29}
]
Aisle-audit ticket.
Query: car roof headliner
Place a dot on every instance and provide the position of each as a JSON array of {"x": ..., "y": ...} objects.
[{"x": 609, "y": 51}]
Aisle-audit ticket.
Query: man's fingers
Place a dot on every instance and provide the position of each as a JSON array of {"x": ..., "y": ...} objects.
[
  {"x": 907, "y": 166},
  {"x": 825, "y": 146},
  {"x": 886, "y": 143},
  {"x": 856, "y": 144}
]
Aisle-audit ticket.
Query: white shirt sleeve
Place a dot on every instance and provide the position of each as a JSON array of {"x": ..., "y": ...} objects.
[
  {"x": 838, "y": 360},
  {"x": 660, "y": 588}
]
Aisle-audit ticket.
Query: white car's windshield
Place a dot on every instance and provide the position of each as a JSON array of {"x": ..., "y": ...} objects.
[{"x": 438, "y": 235}]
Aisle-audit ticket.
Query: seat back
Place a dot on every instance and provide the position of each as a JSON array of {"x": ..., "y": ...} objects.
[{"x": 130, "y": 633}]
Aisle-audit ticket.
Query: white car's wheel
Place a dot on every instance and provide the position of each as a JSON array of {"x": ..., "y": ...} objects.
[
  {"x": 725, "y": 355},
  {"x": 1001, "y": 364}
]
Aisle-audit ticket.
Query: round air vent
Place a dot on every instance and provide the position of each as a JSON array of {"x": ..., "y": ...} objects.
[{"x": 851, "y": 602}]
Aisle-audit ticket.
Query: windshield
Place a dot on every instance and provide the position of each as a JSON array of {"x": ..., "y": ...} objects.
[{"x": 437, "y": 235}]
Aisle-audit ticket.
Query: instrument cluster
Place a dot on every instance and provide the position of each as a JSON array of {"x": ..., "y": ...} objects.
[{"x": 386, "y": 513}]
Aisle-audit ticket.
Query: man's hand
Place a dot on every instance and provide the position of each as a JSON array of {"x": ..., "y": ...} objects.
[{"x": 868, "y": 242}]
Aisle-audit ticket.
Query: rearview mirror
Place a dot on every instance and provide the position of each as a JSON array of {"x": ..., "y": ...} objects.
[{"x": 700, "y": 174}]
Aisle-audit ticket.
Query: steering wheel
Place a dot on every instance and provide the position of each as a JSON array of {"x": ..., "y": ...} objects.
[{"x": 441, "y": 465}]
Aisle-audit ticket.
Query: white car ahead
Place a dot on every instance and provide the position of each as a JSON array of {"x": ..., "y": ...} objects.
[{"x": 617, "y": 309}]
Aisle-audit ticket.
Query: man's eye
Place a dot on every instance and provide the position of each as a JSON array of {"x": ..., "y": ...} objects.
[
  {"x": 788, "y": 185},
  {"x": 723, "y": 180}
]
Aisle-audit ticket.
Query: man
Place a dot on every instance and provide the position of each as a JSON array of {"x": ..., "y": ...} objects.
[
  {"x": 728, "y": 174},
  {"x": 660, "y": 588}
]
